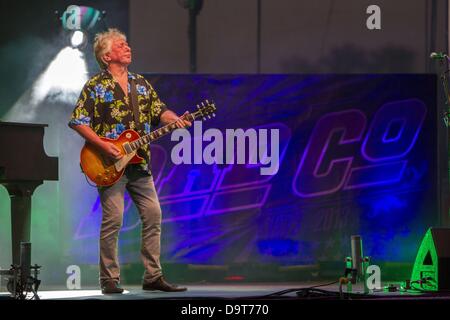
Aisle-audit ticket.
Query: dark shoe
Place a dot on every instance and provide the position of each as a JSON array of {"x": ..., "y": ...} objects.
[
  {"x": 111, "y": 287},
  {"x": 162, "y": 285}
]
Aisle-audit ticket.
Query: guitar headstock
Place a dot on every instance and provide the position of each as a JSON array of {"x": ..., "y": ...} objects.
[{"x": 205, "y": 109}]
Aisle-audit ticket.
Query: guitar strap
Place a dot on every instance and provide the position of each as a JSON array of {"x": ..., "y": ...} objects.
[
  {"x": 135, "y": 106},
  {"x": 134, "y": 103}
]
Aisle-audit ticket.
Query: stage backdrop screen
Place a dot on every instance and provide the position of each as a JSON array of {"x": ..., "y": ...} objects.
[{"x": 357, "y": 156}]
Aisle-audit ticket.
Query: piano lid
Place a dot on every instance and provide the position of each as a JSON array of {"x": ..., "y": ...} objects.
[{"x": 22, "y": 155}]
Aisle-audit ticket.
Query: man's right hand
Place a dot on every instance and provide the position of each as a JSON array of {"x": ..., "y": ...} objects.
[
  {"x": 105, "y": 147},
  {"x": 110, "y": 150}
]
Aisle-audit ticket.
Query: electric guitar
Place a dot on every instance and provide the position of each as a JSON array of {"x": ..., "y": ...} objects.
[{"x": 103, "y": 171}]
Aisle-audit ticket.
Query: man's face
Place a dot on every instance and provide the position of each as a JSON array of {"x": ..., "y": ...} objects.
[{"x": 120, "y": 52}]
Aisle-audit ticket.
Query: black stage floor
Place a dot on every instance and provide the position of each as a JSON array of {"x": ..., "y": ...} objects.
[{"x": 265, "y": 291}]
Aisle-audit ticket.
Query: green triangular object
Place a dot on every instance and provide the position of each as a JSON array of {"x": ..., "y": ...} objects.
[{"x": 426, "y": 265}]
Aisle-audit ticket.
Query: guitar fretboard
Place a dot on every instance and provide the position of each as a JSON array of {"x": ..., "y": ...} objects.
[{"x": 160, "y": 132}]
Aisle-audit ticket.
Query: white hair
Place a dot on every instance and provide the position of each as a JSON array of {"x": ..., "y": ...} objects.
[{"x": 103, "y": 42}]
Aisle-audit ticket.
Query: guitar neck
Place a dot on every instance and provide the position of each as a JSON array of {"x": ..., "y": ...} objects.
[{"x": 154, "y": 135}]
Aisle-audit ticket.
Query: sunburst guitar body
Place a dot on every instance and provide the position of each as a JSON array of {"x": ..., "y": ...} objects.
[{"x": 103, "y": 171}]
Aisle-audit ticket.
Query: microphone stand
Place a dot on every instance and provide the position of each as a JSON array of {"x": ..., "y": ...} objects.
[
  {"x": 446, "y": 116},
  {"x": 444, "y": 80},
  {"x": 194, "y": 7}
]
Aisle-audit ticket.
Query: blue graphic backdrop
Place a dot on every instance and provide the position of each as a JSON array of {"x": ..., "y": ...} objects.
[{"x": 358, "y": 155}]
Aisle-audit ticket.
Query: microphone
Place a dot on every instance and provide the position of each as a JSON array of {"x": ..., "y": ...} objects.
[
  {"x": 438, "y": 56},
  {"x": 357, "y": 254}
]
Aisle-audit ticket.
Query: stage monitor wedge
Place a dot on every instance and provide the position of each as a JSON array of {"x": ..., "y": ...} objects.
[{"x": 432, "y": 265}]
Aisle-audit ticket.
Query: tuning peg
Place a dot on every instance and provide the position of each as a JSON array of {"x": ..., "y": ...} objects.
[
  {"x": 198, "y": 107},
  {"x": 209, "y": 117},
  {"x": 203, "y": 104},
  {"x": 207, "y": 102},
  {"x": 213, "y": 114},
  {"x": 204, "y": 118}
]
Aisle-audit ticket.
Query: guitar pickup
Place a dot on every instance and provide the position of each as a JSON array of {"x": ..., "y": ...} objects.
[{"x": 126, "y": 146}]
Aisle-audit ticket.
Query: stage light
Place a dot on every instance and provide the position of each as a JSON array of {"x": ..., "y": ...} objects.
[
  {"x": 66, "y": 73},
  {"x": 77, "y": 21},
  {"x": 78, "y": 39},
  {"x": 80, "y": 18}
]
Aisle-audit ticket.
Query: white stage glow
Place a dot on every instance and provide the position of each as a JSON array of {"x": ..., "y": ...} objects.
[
  {"x": 77, "y": 39},
  {"x": 69, "y": 294},
  {"x": 64, "y": 294},
  {"x": 62, "y": 81}
]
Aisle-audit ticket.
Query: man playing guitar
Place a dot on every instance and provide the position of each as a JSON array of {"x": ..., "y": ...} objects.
[{"x": 111, "y": 102}]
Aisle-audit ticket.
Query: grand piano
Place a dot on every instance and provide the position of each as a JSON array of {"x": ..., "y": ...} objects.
[{"x": 24, "y": 166}]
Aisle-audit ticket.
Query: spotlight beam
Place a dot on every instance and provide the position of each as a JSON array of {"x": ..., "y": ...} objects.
[{"x": 62, "y": 81}]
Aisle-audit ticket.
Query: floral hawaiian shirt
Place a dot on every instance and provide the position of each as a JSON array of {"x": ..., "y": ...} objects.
[{"x": 104, "y": 107}]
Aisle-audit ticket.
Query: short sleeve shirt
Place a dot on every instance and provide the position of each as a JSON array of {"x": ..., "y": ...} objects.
[{"x": 104, "y": 107}]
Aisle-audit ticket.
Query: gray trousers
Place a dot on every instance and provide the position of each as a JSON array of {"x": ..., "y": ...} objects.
[{"x": 141, "y": 188}]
